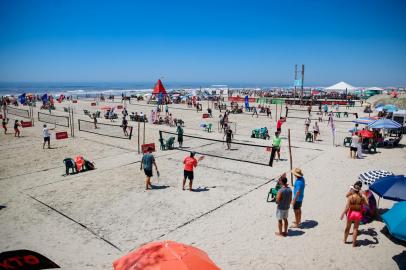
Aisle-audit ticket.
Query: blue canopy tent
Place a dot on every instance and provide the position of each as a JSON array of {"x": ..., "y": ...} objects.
[
  {"x": 395, "y": 220},
  {"x": 385, "y": 123},
  {"x": 364, "y": 120}
]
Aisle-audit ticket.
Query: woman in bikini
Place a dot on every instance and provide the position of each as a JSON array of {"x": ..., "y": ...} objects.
[
  {"x": 16, "y": 130},
  {"x": 353, "y": 209}
]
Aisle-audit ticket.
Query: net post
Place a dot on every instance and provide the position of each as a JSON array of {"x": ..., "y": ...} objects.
[
  {"x": 73, "y": 124},
  {"x": 143, "y": 137},
  {"x": 79, "y": 124},
  {"x": 290, "y": 158},
  {"x": 138, "y": 137},
  {"x": 131, "y": 133}
]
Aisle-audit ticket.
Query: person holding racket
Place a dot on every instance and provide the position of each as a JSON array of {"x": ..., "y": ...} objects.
[{"x": 190, "y": 163}]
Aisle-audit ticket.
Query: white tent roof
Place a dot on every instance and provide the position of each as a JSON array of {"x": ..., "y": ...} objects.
[
  {"x": 341, "y": 86},
  {"x": 374, "y": 88}
]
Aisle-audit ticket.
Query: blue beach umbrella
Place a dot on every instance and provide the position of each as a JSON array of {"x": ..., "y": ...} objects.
[
  {"x": 391, "y": 187},
  {"x": 395, "y": 220},
  {"x": 390, "y": 108},
  {"x": 385, "y": 123}
]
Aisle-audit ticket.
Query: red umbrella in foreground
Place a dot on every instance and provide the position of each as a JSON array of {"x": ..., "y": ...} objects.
[
  {"x": 366, "y": 134},
  {"x": 166, "y": 255}
]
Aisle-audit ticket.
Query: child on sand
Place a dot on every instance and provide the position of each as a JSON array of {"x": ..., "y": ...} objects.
[
  {"x": 16, "y": 130},
  {"x": 4, "y": 123}
]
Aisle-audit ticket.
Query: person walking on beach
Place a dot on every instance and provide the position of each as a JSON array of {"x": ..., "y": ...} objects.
[
  {"x": 146, "y": 162},
  {"x": 166, "y": 109},
  {"x": 229, "y": 136},
  {"x": 286, "y": 111},
  {"x": 353, "y": 211},
  {"x": 190, "y": 163},
  {"x": 354, "y": 146},
  {"x": 309, "y": 110},
  {"x": 298, "y": 194},
  {"x": 179, "y": 131},
  {"x": 316, "y": 130},
  {"x": 4, "y": 123},
  {"x": 276, "y": 148},
  {"x": 283, "y": 200},
  {"x": 124, "y": 125},
  {"x": 255, "y": 112},
  {"x": 47, "y": 137},
  {"x": 307, "y": 125},
  {"x": 94, "y": 117},
  {"x": 16, "y": 130}
]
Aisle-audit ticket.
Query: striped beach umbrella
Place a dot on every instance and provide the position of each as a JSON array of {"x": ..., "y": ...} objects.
[{"x": 368, "y": 178}]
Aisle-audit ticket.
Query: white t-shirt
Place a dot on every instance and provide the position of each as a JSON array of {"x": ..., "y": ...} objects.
[
  {"x": 354, "y": 141},
  {"x": 45, "y": 132}
]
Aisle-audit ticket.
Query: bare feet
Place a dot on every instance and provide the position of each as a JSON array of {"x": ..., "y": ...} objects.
[{"x": 279, "y": 234}]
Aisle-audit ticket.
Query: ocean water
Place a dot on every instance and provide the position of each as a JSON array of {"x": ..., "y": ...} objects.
[{"x": 116, "y": 88}]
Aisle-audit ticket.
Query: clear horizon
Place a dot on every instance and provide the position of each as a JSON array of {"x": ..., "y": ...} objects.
[{"x": 362, "y": 43}]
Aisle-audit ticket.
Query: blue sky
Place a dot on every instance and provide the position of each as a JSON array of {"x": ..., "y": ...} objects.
[{"x": 258, "y": 42}]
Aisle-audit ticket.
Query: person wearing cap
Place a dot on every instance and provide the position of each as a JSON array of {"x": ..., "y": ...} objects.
[
  {"x": 298, "y": 194},
  {"x": 353, "y": 210},
  {"x": 147, "y": 161},
  {"x": 190, "y": 162}
]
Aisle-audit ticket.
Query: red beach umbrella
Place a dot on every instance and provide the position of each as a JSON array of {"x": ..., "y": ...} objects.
[
  {"x": 366, "y": 134},
  {"x": 166, "y": 255}
]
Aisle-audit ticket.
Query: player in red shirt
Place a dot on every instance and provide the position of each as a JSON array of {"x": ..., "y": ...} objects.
[
  {"x": 279, "y": 124},
  {"x": 190, "y": 163}
]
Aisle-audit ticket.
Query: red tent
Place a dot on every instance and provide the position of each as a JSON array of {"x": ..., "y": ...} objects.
[{"x": 159, "y": 88}]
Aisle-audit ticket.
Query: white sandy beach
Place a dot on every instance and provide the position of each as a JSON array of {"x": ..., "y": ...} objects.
[{"x": 87, "y": 220}]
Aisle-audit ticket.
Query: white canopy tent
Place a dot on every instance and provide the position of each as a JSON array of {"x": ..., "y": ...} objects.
[{"x": 341, "y": 87}]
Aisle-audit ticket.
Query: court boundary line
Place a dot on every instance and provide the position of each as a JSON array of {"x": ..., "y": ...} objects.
[{"x": 77, "y": 222}]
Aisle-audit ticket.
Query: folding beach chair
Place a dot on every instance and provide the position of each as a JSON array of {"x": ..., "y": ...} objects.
[
  {"x": 309, "y": 137},
  {"x": 347, "y": 140},
  {"x": 273, "y": 192},
  {"x": 208, "y": 127},
  {"x": 169, "y": 143}
]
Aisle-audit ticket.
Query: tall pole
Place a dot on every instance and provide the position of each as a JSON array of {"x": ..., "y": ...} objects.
[
  {"x": 143, "y": 137},
  {"x": 294, "y": 93},
  {"x": 290, "y": 158},
  {"x": 302, "y": 79},
  {"x": 138, "y": 137}
]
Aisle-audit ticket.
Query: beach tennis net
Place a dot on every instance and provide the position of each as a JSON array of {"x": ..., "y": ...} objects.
[
  {"x": 18, "y": 112},
  {"x": 108, "y": 130},
  {"x": 59, "y": 120},
  {"x": 216, "y": 147}
]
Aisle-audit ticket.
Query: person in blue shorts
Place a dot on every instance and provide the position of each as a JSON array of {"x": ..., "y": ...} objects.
[{"x": 298, "y": 194}]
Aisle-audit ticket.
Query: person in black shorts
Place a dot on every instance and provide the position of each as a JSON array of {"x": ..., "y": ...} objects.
[
  {"x": 229, "y": 135},
  {"x": 124, "y": 125},
  {"x": 16, "y": 130}
]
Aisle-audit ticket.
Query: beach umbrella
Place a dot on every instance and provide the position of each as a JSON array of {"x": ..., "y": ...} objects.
[
  {"x": 365, "y": 120},
  {"x": 390, "y": 108},
  {"x": 391, "y": 187},
  {"x": 370, "y": 177},
  {"x": 395, "y": 220},
  {"x": 365, "y": 133},
  {"x": 385, "y": 123},
  {"x": 166, "y": 255}
]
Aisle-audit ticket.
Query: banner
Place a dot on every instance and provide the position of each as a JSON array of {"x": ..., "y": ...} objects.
[
  {"x": 61, "y": 135},
  {"x": 26, "y": 124},
  {"x": 22, "y": 99},
  {"x": 298, "y": 83},
  {"x": 247, "y": 102},
  {"x": 278, "y": 101},
  {"x": 145, "y": 147}
]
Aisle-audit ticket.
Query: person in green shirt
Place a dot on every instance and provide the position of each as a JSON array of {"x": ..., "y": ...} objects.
[
  {"x": 179, "y": 131},
  {"x": 276, "y": 148}
]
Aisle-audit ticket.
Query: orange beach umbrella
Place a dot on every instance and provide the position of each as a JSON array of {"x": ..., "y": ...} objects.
[{"x": 166, "y": 255}]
